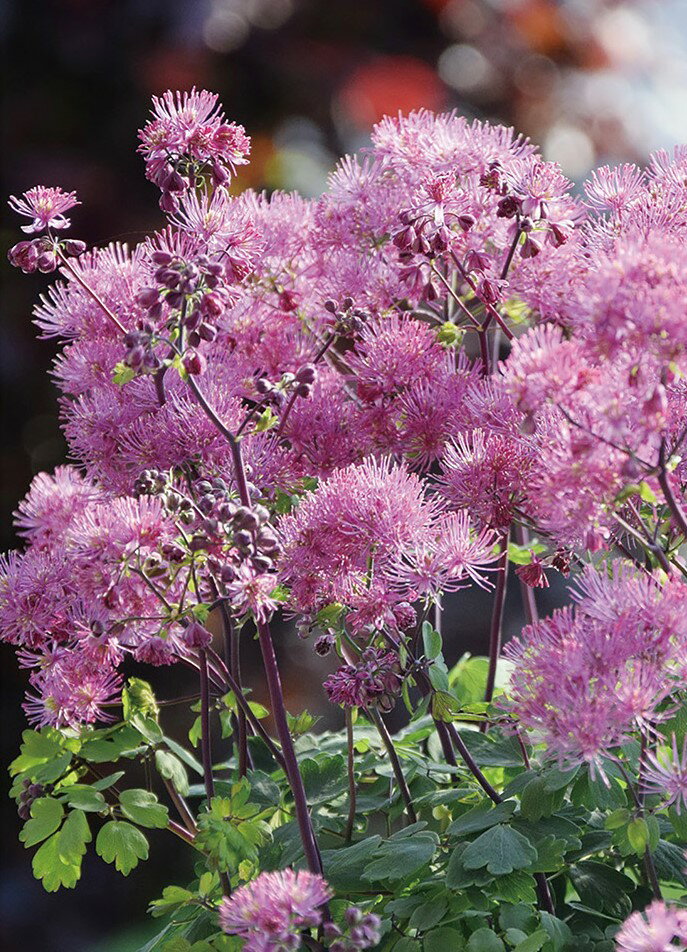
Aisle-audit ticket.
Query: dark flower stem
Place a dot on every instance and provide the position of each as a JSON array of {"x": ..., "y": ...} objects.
[
  {"x": 395, "y": 763},
  {"x": 312, "y": 853},
  {"x": 529, "y": 602},
  {"x": 497, "y": 621},
  {"x": 351, "y": 776},
  {"x": 181, "y": 806},
  {"x": 205, "y": 739},
  {"x": 233, "y": 662},
  {"x": 181, "y": 832},
  {"x": 676, "y": 509}
]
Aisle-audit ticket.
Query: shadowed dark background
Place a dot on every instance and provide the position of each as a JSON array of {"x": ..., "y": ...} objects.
[{"x": 590, "y": 81}]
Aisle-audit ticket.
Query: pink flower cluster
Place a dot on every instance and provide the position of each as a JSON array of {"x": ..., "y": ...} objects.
[
  {"x": 270, "y": 912},
  {"x": 586, "y": 678},
  {"x": 446, "y": 347},
  {"x": 657, "y": 929}
]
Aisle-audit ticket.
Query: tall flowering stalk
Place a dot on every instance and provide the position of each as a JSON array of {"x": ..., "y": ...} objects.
[{"x": 347, "y": 411}]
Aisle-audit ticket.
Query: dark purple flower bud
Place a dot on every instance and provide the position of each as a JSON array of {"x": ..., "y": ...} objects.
[
  {"x": 477, "y": 261},
  {"x": 330, "y": 306},
  {"x": 405, "y": 238},
  {"x": 560, "y": 232},
  {"x": 162, "y": 258},
  {"x": 169, "y": 277},
  {"x": 173, "y": 182},
  {"x": 211, "y": 304},
  {"x": 173, "y": 552},
  {"x": 243, "y": 540},
  {"x": 47, "y": 262},
  {"x": 306, "y": 374},
  {"x": 169, "y": 203},
  {"x": 151, "y": 362},
  {"x": 262, "y": 563},
  {"x": 466, "y": 221},
  {"x": 266, "y": 540},
  {"x": 134, "y": 357},
  {"x": 24, "y": 255},
  {"x": 227, "y": 574},
  {"x": 197, "y": 636},
  {"x": 207, "y": 331},
  {"x": 488, "y": 291},
  {"x": 148, "y": 297},
  {"x": 74, "y": 247},
  {"x": 193, "y": 362},
  {"x": 324, "y": 644},
  {"x": 303, "y": 390},
  {"x": 245, "y": 518},
  {"x": 263, "y": 385},
  {"x": 262, "y": 514}
]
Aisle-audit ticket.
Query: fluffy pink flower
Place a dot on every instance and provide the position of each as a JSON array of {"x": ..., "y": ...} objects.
[
  {"x": 192, "y": 124},
  {"x": 270, "y": 912},
  {"x": 46, "y": 206},
  {"x": 666, "y": 775},
  {"x": 657, "y": 929},
  {"x": 584, "y": 678}
]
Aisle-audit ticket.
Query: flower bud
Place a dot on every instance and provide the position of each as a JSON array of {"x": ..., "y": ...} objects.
[
  {"x": 197, "y": 636},
  {"x": 193, "y": 362}
]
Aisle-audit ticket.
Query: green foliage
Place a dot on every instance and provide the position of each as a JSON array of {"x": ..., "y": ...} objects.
[
  {"x": 121, "y": 843},
  {"x": 466, "y": 876}
]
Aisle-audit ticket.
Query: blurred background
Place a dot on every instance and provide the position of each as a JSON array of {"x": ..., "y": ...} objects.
[{"x": 590, "y": 81}]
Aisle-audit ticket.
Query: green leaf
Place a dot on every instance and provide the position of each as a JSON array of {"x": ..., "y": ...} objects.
[
  {"x": 441, "y": 940},
  {"x": 602, "y": 887},
  {"x": 266, "y": 420},
  {"x": 534, "y": 942},
  {"x": 485, "y": 940},
  {"x": 324, "y": 778},
  {"x": 122, "y": 374},
  {"x": 482, "y": 817},
  {"x": 431, "y": 641},
  {"x": 108, "y": 746},
  {"x": 402, "y": 855},
  {"x": 171, "y": 768},
  {"x": 444, "y": 706},
  {"x": 501, "y": 849},
  {"x": 617, "y": 819},
  {"x": 58, "y": 861},
  {"x": 121, "y": 843},
  {"x": 670, "y": 862},
  {"x": 73, "y": 837},
  {"x": 46, "y": 817},
  {"x": 518, "y": 886},
  {"x": 138, "y": 697},
  {"x": 302, "y": 723},
  {"x": 42, "y": 756},
  {"x": 184, "y": 755},
  {"x": 344, "y": 867},
  {"x": 49, "y": 866},
  {"x": 558, "y": 932},
  {"x": 469, "y": 678},
  {"x": 82, "y": 796},
  {"x": 172, "y": 897},
  {"x": 536, "y": 801},
  {"x": 406, "y": 944},
  {"x": 638, "y": 835},
  {"x": 550, "y": 853},
  {"x": 428, "y": 914},
  {"x": 143, "y": 808}
]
